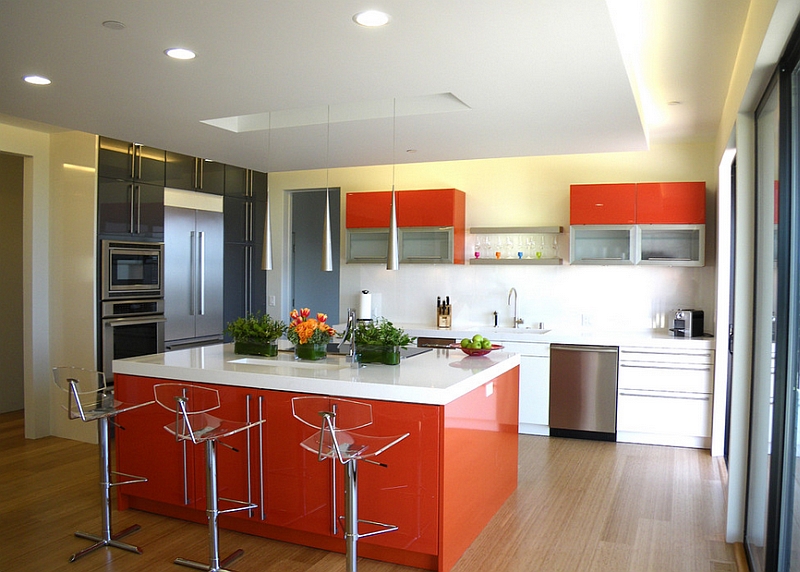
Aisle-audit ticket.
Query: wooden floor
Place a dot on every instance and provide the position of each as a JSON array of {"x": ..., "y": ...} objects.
[{"x": 580, "y": 506}]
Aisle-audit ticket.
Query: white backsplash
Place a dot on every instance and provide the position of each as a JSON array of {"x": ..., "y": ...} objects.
[{"x": 621, "y": 298}]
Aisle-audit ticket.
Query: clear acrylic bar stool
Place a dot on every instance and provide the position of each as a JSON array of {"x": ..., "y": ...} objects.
[
  {"x": 335, "y": 420},
  {"x": 192, "y": 405},
  {"x": 90, "y": 399}
]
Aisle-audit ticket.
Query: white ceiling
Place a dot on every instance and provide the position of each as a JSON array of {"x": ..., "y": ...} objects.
[{"x": 535, "y": 77}]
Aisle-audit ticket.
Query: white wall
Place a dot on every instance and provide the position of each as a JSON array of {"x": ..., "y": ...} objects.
[
  {"x": 73, "y": 267},
  {"x": 528, "y": 191}
]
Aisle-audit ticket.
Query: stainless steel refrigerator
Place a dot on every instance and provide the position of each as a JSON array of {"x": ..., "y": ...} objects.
[{"x": 193, "y": 270}]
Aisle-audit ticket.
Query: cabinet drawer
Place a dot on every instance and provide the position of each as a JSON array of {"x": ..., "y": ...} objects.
[
  {"x": 664, "y": 413},
  {"x": 661, "y": 377},
  {"x": 666, "y": 356}
]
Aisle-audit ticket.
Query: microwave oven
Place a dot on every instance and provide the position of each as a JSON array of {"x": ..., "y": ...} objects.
[{"x": 132, "y": 269}]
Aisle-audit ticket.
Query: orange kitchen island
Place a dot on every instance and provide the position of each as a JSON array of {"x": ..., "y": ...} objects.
[{"x": 442, "y": 485}]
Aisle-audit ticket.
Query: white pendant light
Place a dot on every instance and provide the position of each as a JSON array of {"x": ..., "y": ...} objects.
[
  {"x": 393, "y": 254},
  {"x": 266, "y": 247},
  {"x": 327, "y": 247}
]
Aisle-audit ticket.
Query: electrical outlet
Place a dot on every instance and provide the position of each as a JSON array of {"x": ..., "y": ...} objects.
[
  {"x": 586, "y": 320},
  {"x": 272, "y": 300}
]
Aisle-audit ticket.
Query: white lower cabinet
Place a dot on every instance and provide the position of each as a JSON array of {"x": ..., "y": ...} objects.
[
  {"x": 534, "y": 386},
  {"x": 665, "y": 396}
]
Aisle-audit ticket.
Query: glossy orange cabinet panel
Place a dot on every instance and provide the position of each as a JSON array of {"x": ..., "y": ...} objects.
[
  {"x": 406, "y": 492},
  {"x": 145, "y": 448},
  {"x": 439, "y": 207},
  {"x": 479, "y": 461},
  {"x": 298, "y": 485},
  {"x": 671, "y": 203},
  {"x": 602, "y": 204},
  {"x": 368, "y": 210}
]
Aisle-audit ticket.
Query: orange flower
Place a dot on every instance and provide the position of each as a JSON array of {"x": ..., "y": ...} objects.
[{"x": 303, "y": 329}]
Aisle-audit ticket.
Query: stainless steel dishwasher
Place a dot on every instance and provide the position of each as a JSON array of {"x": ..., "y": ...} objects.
[{"x": 583, "y": 391}]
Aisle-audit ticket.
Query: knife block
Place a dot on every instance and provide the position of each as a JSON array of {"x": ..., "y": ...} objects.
[{"x": 444, "y": 317}]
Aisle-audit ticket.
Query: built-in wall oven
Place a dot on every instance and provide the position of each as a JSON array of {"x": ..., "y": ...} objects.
[
  {"x": 132, "y": 301},
  {"x": 131, "y": 328}
]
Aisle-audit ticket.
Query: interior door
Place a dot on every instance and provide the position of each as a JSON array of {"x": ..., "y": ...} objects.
[{"x": 311, "y": 287}]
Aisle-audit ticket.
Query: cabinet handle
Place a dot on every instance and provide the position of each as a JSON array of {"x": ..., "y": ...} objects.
[
  {"x": 669, "y": 368},
  {"x": 699, "y": 397},
  {"x": 334, "y": 509},
  {"x": 705, "y": 355},
  {"x": 261, "y": 456},
  {"x": 185, "y": 475},
  {"x": 138, "y": 153},
  {"x": 132, "y": 155},
  {"x": 131, "y": 194},
  {"x": 247, "y": 440},
  {"x": 138, "y": 209},
  {"x": 202, "y": 172}
]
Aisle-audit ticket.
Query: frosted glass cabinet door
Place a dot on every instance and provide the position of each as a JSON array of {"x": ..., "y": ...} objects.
[
  {"x": 602, "y": 244},
  {"x": 673, "y": 245}
]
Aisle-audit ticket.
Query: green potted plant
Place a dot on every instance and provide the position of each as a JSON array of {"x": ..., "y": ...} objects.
[
  {"x": 379, "y": 341},
  {"x": 256, "y": 334}
]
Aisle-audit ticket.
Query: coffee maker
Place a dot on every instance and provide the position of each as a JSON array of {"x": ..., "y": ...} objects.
[{"x": 688, "y": 324}]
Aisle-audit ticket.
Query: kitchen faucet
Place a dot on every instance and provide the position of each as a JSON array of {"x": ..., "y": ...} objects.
[
  {"x": 350, "y": 332},
  {"x": 517, "y": 320}
]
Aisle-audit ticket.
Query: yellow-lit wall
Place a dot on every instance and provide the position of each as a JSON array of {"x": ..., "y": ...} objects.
[{"x": 526, "y": 191}]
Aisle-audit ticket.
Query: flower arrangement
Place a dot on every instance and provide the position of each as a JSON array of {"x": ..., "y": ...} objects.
[{"x": 306, "y": 330}]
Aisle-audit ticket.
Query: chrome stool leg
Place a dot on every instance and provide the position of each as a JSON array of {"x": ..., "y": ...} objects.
[
  {"x": 351, "y": 516},
  {"x": 213, "y": 512},
  {"x": 107, "y": 538}
]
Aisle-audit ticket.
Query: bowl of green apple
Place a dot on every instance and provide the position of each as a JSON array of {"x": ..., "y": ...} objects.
[{"x": 477, "y": 345}]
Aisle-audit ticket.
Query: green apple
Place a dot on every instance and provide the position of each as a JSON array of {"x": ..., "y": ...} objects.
[
  {"x": 477, "y": 338},
  {"x": 466, "y": 342},
  {"x": 486, "y": 344}
]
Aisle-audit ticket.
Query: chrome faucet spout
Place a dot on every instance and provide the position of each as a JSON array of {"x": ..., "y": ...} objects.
[
  {"x": 517, "y": 319},
  {"x": 350, "y": 334}
]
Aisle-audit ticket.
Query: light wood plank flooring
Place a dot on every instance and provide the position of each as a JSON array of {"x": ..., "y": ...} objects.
[{"x": 580, "y": 506}]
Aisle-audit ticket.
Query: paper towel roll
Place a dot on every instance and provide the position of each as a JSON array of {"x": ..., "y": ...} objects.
[{"x": 364, "y": 305}]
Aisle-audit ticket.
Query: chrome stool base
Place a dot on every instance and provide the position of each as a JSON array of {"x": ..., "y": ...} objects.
[
  {"x": 222, "y": 565},
  {"x": 110, "y": 542}
]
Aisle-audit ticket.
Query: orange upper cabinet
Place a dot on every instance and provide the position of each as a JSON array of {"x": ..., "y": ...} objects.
[
  {"x": 432, "y": 225},
  {"x": 671, "y": 203},
  {"x": 602, "y": 204},
  {"x": 438, "y": 207},
  {"x": 368, "y": 210}
]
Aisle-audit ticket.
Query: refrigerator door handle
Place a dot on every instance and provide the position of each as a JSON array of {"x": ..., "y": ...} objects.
[
  {"x": 193, "y": 275},
  {"x": 202, "y": 274}
]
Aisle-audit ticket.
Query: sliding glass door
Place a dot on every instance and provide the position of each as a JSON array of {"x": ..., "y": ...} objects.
[{"x": 763, "y": 380}]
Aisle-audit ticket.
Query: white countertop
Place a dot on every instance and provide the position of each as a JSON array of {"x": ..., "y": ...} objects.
[
  {"x": 436, "y": 377},
  {"x": 647, "y": 338}
]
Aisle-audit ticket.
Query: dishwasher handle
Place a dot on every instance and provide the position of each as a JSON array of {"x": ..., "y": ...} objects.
[{"x": 584, "y": 348}]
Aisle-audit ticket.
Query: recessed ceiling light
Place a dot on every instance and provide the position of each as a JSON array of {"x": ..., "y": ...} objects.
[
  {"x": 371, "y": 18},
  {"x": 674, "y": 102},
  {"x": 180, "y": 53},
  {"x": 37, "y": 80}
]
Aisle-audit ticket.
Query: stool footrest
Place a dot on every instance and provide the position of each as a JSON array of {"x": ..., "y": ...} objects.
[
  {"x": 243, "y": 505},
  {"x": 384, "y": 528},
  {"x": 132, "y": 479}
]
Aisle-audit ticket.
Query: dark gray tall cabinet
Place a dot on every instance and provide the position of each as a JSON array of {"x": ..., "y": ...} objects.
[{"x": 245, "y": 209}]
